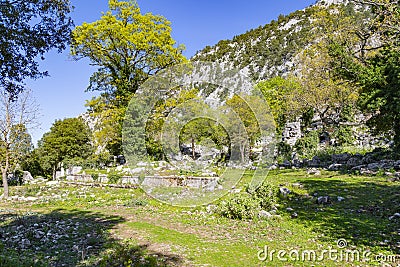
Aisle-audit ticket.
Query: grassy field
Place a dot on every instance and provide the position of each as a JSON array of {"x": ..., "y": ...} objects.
[{"x": 66, "y": 225}]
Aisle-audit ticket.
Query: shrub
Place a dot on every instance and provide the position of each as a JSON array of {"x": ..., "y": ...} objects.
[
  {"x": 240, "y": 206},
  {"x": 284, "y": 151},
  {"x": 307, "y": 145},
  {"x": 114, "y": 178},
  {"x": 247, "y": 204},
  {"x": 95, "y": 177},
  {"x": 266, "y": 194},
  {"x": 344, "y": 135}
]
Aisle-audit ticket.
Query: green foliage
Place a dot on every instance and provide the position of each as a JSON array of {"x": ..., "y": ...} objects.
[
  {"x": 241, "y": 206},
  {"x": 125, "y": 56},
  {"x": 68, "y": 140},
  {"x": 255, "y": 120},
  {"x": 277, "y": 92},
  {"x": 18, "y": 144},
  {"x": 31, "y": 163},
  {"x": 380, "y": 94},
  {"x": 95, "y": 177},
  {"x": 307, "y": 145},
  {"x": 29, "y": 29},
  {"x": 284, "y": 151},
  {"x": 344, "y": 135},
  {"x": 247, "y": 204},
  {"x": 375, "y": 68},
  {"x": 161, "y": 111},
  {"x": 266, "y": 193},
  {"x": 114, "y": 178}
]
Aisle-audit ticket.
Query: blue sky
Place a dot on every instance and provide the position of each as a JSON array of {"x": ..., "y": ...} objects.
[{"x": 195, "y": 24}]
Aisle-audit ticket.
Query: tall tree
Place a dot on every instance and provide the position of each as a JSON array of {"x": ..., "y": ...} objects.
[
  {"x": 320, "y": 91},
  {"x": 29, "y": 29},
  {"x": 127, "y": 47},
  {"x": 374, "y": 67},
  {"x": 245, "y": 125},
  {"x": 16, "y": 115},
  {"x": 68, "y": 139},
  {"x": 278, "y": 93}
]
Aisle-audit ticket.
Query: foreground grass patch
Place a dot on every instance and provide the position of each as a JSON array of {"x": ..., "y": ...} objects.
[{"x": 91, "y": 226}]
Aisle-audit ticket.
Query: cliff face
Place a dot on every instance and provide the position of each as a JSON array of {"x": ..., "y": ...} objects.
[{"x": 270, "y": 50}]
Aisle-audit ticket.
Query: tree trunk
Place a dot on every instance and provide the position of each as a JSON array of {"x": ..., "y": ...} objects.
[
  {"x": 54, "y": 172},
  {"x": 5, "y": 182},
  {"x": 242, "y": 151},
  {"x": 193, "y": 153},
  {"x": 396, "y": 138}
]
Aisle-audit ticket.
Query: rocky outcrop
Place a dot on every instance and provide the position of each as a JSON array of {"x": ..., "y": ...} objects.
[{"x": 368, "y": 164}]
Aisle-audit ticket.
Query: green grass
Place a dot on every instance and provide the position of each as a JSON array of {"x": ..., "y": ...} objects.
[{"x": 128, "y": 228}]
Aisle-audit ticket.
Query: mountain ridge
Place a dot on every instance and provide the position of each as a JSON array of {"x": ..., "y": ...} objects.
[{"x": 269, "y": 50}]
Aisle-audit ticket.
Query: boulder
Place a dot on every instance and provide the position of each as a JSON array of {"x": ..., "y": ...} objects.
[
  {"x": 323, "y": 200},
  {"x": 27, "y": 177},
  {"x": 395, "y": 216},
  {"x": 354, "y": 161},
  {"x": 313, "y": 171},
  {"x": 314, "y": 162},
  {"x": 284, "y": 191},
  {"x": 374, "y": 166},
  {"x": 340, "y": 158},
  {"x": 365, "y": 171},
  {"x": 335, "y": 167},
  {"x": 264, "y": 214},
  {"x": 285, "y": 164},
  {"x": 396, "y": 165}
]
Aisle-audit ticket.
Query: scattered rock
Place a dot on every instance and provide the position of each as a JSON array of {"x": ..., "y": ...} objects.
[
  {"x": 354, "y": 161},
  {"x": 284, "y": 191},
  {"x": 51, "y": 183},
  {"x": 273, "y": 167},
  {"x": 395, "y": 216},
  {"x": 335, "y": 167},
  {"x": 264, "y": 214},
  {"x": 31, "y": 198},
  {"x": 285, "y": 164},
  {"x": 313, "y": 171},
  {"x": 340, "y": 158},
  {"x": 374, "y": 166},
  {"x": 323, "y": 200},
  {"x": 340, "y": 199},
  {"x": 294, "y": 215},
  {"x": 365, "y": 171}
]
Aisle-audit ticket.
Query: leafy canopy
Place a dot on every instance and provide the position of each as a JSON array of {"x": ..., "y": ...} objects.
[
  {"x": 29, "y": 29},
  {"x": 127, "y": 46},
  {"x": 68, "y": 139}
]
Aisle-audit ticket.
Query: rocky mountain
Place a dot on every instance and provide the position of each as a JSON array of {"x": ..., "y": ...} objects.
[{"x": 270, "y": 50}]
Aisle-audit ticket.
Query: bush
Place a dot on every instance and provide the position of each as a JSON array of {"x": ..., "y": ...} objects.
[
  {"x": 241, "y": 206},
  {"x": 307, "y": 145},
  {"x": 95, "y": 177},
  {"x": 266, "y": 194},
  {"x": 247, "y": 205},
  {"x": 344, "y": 136},
  {"x": 284, "y": 151},
  {"x": 114, "y": 178}
]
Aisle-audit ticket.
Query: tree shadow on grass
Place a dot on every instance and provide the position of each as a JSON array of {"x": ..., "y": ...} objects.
[
  {"x": 70, "y": 238},
  {"x": 360, "y": 212}
]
